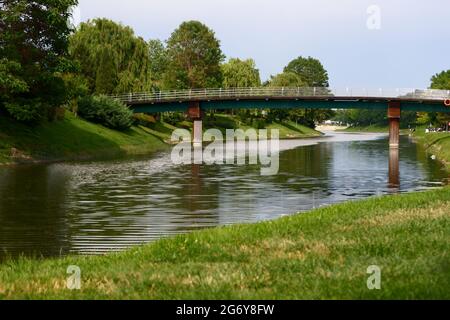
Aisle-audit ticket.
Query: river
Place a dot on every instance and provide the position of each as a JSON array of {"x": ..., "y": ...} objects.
[{"x": 98, "y": 207}]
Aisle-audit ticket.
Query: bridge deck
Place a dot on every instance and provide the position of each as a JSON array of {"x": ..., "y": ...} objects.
[{"x": 267, "y": 97}]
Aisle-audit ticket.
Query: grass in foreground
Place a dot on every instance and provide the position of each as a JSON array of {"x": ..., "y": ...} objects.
[
  {"x": 71, "y": 139},
  {"x": 323, "y": 254}
]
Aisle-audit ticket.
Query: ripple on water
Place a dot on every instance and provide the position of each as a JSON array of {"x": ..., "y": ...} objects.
[{"x": 94, "y": 208}]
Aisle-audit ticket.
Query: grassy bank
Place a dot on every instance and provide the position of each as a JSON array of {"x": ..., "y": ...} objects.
[
  {"x": 76, "y": 139},
  {"x": 371, "y": 129},
  {"x": 321, "y": 254},
  {"x": 71, "y": 139},
  {"x": 437, "y": 143},
  {"x": 287, "y": 129}
]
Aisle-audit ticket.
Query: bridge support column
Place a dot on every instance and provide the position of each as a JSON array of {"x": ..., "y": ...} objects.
[
  {"x": 394, "y": 112},
  {"x": 195, "y": 113}
]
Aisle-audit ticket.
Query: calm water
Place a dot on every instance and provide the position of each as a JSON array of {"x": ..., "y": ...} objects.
[{"x": 92, "y": 208}]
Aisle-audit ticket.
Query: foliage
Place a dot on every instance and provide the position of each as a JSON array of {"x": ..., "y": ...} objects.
[
  {"x": 287, "y": 79},
  {"x": 142, "y": 119},
  {"x": 194, "y": 58},
  {"x": 303, "y": 116},
  {"x": 106, "y": 111},
  {"x": 33, "y": 51},
  {"x": 310, "y": 70},
  {"x": 158, "y": 62},
  {"x": 366, "y": 117},
  {"x": 240, "y": 74},
  {"x": 441, "y": 81},
  {"x": 111, "y": 57}
]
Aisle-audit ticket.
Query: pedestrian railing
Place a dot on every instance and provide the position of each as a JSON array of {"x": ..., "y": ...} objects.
[{"x": 269, "y": 92}]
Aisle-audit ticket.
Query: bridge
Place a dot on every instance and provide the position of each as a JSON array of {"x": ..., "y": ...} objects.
[{"x": 195, "y": 101}]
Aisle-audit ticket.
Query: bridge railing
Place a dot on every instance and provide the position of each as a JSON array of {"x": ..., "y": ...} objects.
[{"x": 270, "y": 92}]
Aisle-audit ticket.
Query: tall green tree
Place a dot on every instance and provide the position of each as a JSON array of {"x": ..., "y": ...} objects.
[
  {"x": 441, "y": 81},
  {"x": 194, "y": 58},
  {"x": 33, "y": 56},
  {"x": 240, "y": 74},
  {"x": 304, "y": 72},
  {"x": 310, "y": 70},
  {"x": 158, "y": 62},
  {"x": 111, "y": 57}
]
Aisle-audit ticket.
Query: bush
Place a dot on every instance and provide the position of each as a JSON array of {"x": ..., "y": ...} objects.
[
  {"x": 25, "y": 111},
  {"x": 142, "y": 119},
  {"x": 106, "y": 111}
]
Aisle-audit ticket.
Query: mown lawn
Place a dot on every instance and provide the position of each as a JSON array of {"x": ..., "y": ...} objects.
[{"x": 323, "y": 254}]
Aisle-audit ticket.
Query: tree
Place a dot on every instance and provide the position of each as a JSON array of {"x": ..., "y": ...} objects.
[
  {"x": 240, "y": 74},
  {"x": 310, "y": 70},
  {"x": 33, "y": 51},
  {"x": 441, "y": 81},
  {"x": 286, "y": 79},
  {"x": 304, "y": 72},
  {"x": 158, "y": 62},
  {"x": 111, "y": 57},
  {"x": 194, "y": 58}
]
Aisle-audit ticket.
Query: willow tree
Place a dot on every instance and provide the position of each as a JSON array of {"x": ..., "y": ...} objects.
[
  {"x": 111, "y": 57},
  {"x": 194, "y": 58},
  {"x": 240, "y": 74},
  {"x": 286, "y": 80}
]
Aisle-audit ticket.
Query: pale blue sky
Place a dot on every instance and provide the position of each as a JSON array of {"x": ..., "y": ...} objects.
[{"x": 412, "y": 44}]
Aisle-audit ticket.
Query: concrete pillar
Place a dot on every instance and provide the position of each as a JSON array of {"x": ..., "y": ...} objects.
[
  {"x": 198, "y": 133},
  {"x": 195, "y": 114},
  {"x": 394, "y": 112}
]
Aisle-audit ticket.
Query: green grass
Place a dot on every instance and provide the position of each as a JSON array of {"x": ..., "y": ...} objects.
[
  {"x": 76, "y": 139},
  {"x": 371, "y": 129},
  {"x": 287, "y": 129},
  {"x": 72, "y": 139},
  {"x": 323, "y": 254},
  {"x": 436, "y": 143}
]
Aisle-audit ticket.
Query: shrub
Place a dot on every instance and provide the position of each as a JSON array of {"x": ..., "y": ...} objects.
[
  {"x": 24, "y": 111},
  {"x": 142, "y": 119},
  {"x": 106, "y": 111}
]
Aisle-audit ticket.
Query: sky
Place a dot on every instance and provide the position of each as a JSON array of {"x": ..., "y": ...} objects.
[{"x": 362, "y": 44}]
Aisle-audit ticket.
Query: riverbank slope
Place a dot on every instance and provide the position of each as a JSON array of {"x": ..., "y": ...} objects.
[
  {"x": 322, "y": 254},
  {"x": 76, "y": 139},
  {"x": 436, "y": 143},
  {"x": 71, "y": 139}
]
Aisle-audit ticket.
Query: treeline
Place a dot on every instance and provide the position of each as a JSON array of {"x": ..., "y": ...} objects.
[
  {"x": 440, "y": 81},
  {"x": 46, "y": 66}
]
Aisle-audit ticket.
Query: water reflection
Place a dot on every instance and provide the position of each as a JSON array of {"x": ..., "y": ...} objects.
[
  {"x": 394, "y": 168},
  {"x": 96, "y": 207}
]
